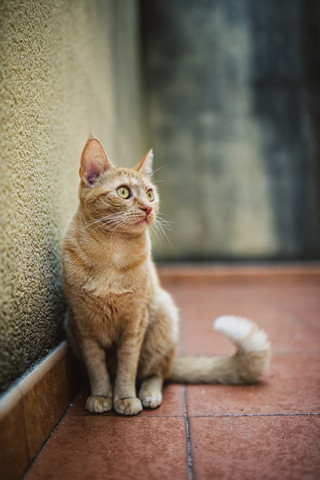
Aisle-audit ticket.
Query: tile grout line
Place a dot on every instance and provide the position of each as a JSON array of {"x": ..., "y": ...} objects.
[
  {"x": 33, "y": 460},
  {"x": 209, "y": 415},
  {"x": 190, "y": 463},
  {"x": 239, "y": 415},
  {"x": 184, "y": 394}
]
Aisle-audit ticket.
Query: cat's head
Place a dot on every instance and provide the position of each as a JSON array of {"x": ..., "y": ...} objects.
[{"x": 113, "y": 199}]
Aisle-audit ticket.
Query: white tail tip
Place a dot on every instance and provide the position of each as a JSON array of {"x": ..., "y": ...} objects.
[
  {"x": 236, "y": 328},
  {"x": 242, "y": 330}
]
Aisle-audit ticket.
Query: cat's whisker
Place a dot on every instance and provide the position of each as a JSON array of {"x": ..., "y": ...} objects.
[
  {"x": 158, "y": 169},
  {"x": 155, "y": 182},
  {"x": 163, "y": 233},
  {"x": 104, "y": 223},
  {"x": 99, "y": 220},
  {"x": 120, "y": 223},
  {"x": 157, "y": 231},
  {"x": 165, "y": 223},
  {"x": 109, "y": 219},
  {"x": 159, "y": 228},
  {"x": 162, "y": 214}
]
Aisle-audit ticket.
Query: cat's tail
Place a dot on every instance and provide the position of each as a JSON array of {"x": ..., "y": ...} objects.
[{"x": 246, "y": 366}]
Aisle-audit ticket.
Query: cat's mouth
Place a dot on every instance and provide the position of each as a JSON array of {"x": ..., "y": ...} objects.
[
  {"x": 142, "y": 221},
  {"x": 147, "y": 220}
]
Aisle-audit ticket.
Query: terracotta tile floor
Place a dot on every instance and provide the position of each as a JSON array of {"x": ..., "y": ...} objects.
[{"x": 266, "y": 431}]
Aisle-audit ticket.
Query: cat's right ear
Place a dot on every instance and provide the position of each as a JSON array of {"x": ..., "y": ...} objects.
[{"x": 94, "y": 162}]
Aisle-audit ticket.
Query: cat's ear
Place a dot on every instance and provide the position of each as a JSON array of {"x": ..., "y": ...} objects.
[
  {"x": 145, "y": 164},
  {"x": 94, "y": 162}
]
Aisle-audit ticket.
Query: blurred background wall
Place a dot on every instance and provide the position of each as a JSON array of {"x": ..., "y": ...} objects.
[
  {"x": 226, "y": 91},
  {"x": 234, "y": 108},
  {"x": 68, "y": 67}
]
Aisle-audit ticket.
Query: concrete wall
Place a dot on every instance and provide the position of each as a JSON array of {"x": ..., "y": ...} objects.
[
  {"x": 67, "y": 68},
  {"x": 234, "y": 104}
]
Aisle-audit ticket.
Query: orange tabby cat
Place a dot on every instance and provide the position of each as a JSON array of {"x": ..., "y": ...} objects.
[{"x": 121, "y": 322}]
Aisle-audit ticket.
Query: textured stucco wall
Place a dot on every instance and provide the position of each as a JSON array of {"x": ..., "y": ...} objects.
[
  {"x": 67, "y": 68},
  {"x": 234, "y": 106}
]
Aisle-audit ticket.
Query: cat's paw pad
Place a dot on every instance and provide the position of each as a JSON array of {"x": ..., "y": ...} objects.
[
  {"x": 98, "y": 404},
  {"x": 128, "y": 406},
  {"x": 150, "y": 399}
]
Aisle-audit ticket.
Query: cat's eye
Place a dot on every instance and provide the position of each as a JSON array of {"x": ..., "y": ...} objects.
[
  {"x": 123, "y": 192},
  {"x": 150, "y": 195}
]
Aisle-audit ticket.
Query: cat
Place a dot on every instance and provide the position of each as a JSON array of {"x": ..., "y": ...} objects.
[{"x": 121, "y": 322}]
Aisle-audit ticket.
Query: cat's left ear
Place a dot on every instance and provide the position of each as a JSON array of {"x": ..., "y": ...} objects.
[
  {"x": 94, "y": 162},
  {"x": 145, "y": 164}
]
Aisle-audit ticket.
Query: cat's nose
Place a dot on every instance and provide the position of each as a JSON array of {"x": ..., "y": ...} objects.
[{"x": 146, "y": 209}]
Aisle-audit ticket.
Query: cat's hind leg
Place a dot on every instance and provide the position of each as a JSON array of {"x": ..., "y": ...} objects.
[
  {"x": 157, "y": 351},
  {"x": 150, "y": 392}
]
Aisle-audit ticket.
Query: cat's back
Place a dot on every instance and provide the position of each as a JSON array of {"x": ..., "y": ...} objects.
[{"x": 76, "y": 262}]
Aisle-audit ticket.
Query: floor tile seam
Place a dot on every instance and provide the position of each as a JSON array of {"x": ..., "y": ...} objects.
[
  {"x": 188, "y": 416},
  {"x": 141, "y": 415},
  {"x": 58, "y": 424},
  {"x": 254, "y": 415},
  {"x": 182, "y": 343},
  {"x": 187, "y": 423}
]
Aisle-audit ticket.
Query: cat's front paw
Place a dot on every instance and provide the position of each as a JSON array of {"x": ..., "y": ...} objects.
[
  {"x": 97, "y": 404},
  {"x": 128, "y": 406}
]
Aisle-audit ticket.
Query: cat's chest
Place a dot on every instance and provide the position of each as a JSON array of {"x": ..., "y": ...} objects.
[
  {"x": 118, "y": 291},
  {"x": 108, "y": 283},
  {"x": 115, "y": 302}
]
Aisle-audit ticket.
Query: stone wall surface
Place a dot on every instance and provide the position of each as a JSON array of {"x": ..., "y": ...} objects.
[
  {"x": 234, "y": 105},
  {"x": 68, "y": 68}
]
